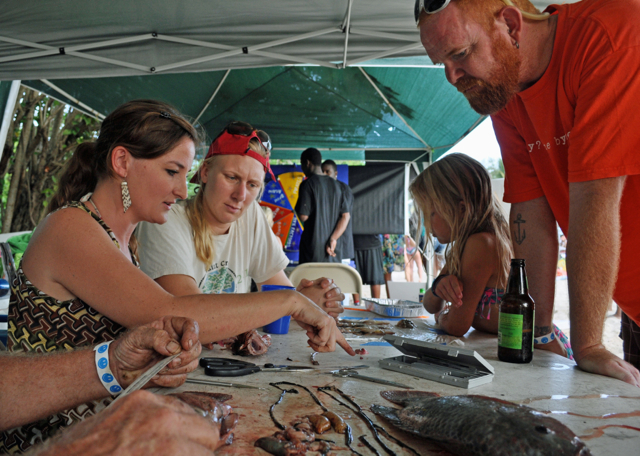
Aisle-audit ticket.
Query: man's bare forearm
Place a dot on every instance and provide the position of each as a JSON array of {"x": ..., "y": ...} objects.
[
  {"x": 35, "y": 386},
  {"x": 593, "y": 254},
  {"x": 341, "y": 226},
  {"x": 535, "y": 238}
]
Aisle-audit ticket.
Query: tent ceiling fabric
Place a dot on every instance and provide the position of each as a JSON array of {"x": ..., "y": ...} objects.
[
  {"x": 100, "y": 54},
  {"x": 64, "y": 39},
  {"x": 233, "y": 24}
]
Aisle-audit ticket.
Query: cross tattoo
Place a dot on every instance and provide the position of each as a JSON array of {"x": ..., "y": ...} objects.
[{"x": 520, "y": 237}]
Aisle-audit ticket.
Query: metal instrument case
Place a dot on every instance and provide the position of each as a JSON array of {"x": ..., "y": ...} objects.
[{"x": 440, "y": 363}]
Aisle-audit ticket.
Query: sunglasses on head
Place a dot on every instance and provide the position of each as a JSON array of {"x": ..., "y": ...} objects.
[
  {"x": 239, "y": 128},
  {"x": 429, "y": 7}
]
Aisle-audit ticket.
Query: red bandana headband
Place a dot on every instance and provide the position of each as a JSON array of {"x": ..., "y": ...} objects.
[{"x": 229, "y": 144}]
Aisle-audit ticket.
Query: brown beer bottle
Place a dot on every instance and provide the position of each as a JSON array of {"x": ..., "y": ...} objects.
[{"x": 517, "y": 316}]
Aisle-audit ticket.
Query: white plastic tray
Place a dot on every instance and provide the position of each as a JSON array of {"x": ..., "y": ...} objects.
[{"x": 394, "y": 307}]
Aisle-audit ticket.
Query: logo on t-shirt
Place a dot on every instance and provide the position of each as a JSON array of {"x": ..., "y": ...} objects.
[{"x": 218, "y": 280}]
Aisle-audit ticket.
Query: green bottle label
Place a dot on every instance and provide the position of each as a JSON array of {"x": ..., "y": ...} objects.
[{"x": 510, "y": 331}]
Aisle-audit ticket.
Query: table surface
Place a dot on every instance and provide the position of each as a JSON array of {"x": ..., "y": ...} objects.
[{"x": 588, "y": 404}]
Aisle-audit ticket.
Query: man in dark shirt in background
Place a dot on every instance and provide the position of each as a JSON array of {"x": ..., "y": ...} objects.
[
  {"x": 345, "y": 243},
  {"x": 322, "y": 209}
]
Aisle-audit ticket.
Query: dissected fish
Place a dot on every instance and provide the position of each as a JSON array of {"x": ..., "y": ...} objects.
[
  {"x": 295, "y": 440},
  {"x": 247, "y": 344},
  {"x": 212, "y": 407},
  {"x": 480, "y": 425}
]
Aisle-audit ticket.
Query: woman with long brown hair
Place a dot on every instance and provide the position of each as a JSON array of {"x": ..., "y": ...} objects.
[{"x": 78, "y": 282}]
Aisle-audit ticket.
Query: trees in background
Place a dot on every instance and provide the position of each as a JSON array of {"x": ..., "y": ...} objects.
[
  {"x": 495, "y": 167},
  {"x": 42, "y": 137}
]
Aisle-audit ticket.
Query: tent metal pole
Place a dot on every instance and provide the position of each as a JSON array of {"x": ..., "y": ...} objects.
[
  {"x": 212, "y": 96},
  {"x": 390, "y": 65},
  {"x": 380, "y": 55},
  {"x": 70, "y": 50},
  {"x": 274, "y": 55},
  {"x": 347, "y": 30},
  {"x": 74, "y": 99},
  {"x": 419, "y": 157},
  {"x": 406, "y": 199},
  {"x": 8, "y": 113},
  {"x": 392, "y": 107},
  {"x": 248, "y": 49},
  {"x": 399, "y": 149},
  {"x": 376, "y": 34}
]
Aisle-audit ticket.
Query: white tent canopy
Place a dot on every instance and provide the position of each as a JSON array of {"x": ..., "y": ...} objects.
[{"x": 80, "y": 38}]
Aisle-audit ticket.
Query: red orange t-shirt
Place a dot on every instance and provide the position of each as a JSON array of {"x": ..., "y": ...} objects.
[{"x": 581, "y": 122}]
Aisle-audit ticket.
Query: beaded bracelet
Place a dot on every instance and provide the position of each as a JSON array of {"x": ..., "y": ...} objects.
[
  {"x": 544, "y": 339},
  {"x": 435, "y": 282},
  {"x": 104, "y": 372}
]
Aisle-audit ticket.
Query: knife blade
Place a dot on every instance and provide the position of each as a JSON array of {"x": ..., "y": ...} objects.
[{"x": 146, "y": 376}]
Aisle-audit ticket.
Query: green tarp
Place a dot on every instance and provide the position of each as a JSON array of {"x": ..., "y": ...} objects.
[{"x": 337, "y": 111}]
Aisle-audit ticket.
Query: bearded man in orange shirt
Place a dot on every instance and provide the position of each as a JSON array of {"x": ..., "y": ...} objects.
[{"x": 562, "y": 91}]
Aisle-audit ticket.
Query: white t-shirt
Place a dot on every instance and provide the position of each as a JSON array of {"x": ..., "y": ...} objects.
[{"x": 249, "y": 250}]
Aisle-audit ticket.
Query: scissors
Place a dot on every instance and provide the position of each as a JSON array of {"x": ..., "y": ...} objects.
[{"x": 227, "y": 367}]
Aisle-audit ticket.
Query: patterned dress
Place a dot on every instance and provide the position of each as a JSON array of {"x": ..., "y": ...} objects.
[{"x": 42, "y": 324}]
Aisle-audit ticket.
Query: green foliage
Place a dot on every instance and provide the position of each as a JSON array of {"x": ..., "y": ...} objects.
[{"x": 495, "y": 167}]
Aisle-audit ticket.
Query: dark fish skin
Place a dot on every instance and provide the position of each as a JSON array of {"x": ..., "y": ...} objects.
[{"x": 480, "y": 425}]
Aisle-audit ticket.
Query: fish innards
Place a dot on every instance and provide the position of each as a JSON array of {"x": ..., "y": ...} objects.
[{"x": 465, "y": 425}]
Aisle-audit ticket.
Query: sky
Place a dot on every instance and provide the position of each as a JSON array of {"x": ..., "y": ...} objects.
[{"x": 480, "y": 144}]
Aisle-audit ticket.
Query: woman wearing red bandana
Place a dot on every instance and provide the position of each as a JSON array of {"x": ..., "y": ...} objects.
[{"x": 219, "y": 240}]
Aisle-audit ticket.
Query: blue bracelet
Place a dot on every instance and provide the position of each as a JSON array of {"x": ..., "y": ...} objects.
[
  {"x": 104, "y": 372},
  {"x": 544, "y": 339}
]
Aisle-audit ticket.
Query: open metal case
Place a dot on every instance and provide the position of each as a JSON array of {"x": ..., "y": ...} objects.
[{"x": 440, "y": 363}]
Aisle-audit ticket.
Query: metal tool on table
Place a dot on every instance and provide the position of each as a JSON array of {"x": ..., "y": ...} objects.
[
  {"x": 228, "y": 367},
  {"x": 146, "y": 376},
  {"x": 441, "y": 363},
  {"x": 200, "y": 381},
  {"x": 348, "y": 373}
]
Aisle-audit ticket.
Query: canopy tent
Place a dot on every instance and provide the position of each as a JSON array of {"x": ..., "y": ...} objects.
[
  {"x": 337, "y": 111},
  {"x": 96, "y": 55}
]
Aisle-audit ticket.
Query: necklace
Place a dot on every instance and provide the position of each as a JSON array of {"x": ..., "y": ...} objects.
[{"x": 95, "y": 207}]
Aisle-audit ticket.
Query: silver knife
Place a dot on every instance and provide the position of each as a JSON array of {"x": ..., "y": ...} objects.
[
  {"x": 146, "y": 376},
  {"x": 216, "y": 383},
  {"x": 354, "y": 374}
]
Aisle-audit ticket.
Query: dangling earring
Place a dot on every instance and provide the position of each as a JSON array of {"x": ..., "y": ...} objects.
[
  {"x": 517, "y": 45},
  {"x": 126, "y": 197}
]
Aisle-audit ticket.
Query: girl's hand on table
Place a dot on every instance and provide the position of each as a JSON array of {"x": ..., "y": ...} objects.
[
  {"x": 449, "y": 288},
  {"x": 141, "y": 348},
  {"x": 325, "y": 293}
]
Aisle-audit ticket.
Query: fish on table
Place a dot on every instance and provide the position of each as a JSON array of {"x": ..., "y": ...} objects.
[{"x": 480, "y": 425}]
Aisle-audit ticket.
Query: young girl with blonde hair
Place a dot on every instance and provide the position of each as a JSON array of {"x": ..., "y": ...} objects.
[{"x": 458, "y": 207}]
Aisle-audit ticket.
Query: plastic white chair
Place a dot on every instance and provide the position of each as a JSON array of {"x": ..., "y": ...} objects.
[{"x": 346, "y": 277}]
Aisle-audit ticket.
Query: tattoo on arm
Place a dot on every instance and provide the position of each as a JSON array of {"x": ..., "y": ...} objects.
[
  {"x": 541, "y": 331},
  {"x": 521, "y": 234}
]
